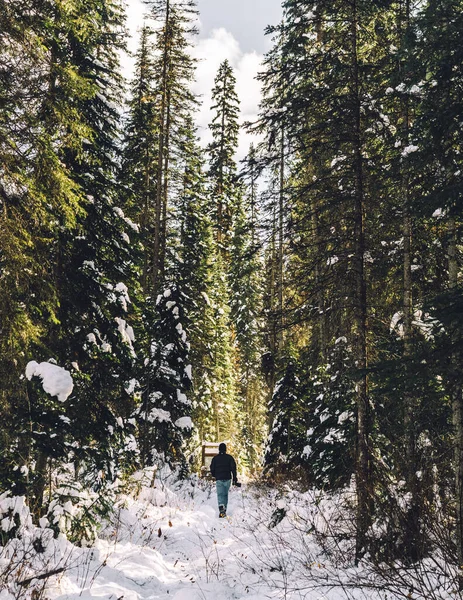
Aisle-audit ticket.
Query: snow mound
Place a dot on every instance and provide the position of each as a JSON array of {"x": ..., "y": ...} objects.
[
  {"x": 56, "y": 381},
  {"x": 184, "y": 423}
]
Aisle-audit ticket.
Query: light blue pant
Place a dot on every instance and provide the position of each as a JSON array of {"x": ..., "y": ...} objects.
[{"x": 222, "y": 491}]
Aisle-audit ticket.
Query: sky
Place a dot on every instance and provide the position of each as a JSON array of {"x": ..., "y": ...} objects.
[
  {"x": 229, "y": 29},
  {"x": 244, "y": 19}
]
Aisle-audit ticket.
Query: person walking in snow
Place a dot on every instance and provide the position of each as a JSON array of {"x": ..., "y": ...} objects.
[{"x": 223, "y": 468}]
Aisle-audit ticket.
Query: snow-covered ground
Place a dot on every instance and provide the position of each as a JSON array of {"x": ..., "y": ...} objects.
[
  {"x": 167, "y": 543},
  {"x": 170, "y": 544}
]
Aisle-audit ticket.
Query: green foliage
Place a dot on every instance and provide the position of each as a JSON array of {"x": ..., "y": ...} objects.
[
  {"x": 287, "y": 433},
  {"x": 71, "y": 253},
  {"x": 195, "y": 270},
  {"x": 222, "y": 167},
  {"x": 78, "y": 512},
  {"x": 246, "y": 293},
  {"x": 164, "y": 416},
  {"x": 359, "y": 117},
  {"x": 329, "y": 456}
]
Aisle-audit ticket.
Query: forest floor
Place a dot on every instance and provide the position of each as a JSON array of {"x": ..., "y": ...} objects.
[{"x": 167, "y": 543}]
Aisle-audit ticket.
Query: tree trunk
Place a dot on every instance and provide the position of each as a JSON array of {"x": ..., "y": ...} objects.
[
  {"x": 363, "y": 475},
  {"x": 281, "y": 234},
  {"x": 160, "y": 174},
  {"x": 457, "y": 414},
  {"x": 220, "y": 188},
  {"x": 145, "y": 213},
  {"x": 272, "y": 321},
  {"x": 39, "y": 484},
  {"x": 145, "y": 223},
  {"x": 320, "y": 343},
  {"x": 413, "y": 515},
  {"x": 165, "y": 194},
  {"x": 457, "y": 409}
]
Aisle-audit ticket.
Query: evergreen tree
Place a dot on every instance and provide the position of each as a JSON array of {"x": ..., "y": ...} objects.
[
  {"x": 218, "y": 379},
  {"x": 195, "y": 281},
  {"x": 83, "y": 245},
  {"x": 246, "y": 310},
  {"x": 173, "y": 72},
  {"x": 93, "y": 269},
  {"x": 329, "y": 392},
  {"x": 438, "y": 160},
  {"x": 346, "y": 88},
  {"x": 164, "y": 417},
  {"x": 222, "y": 166},
  {"x": 223, "y": 382},
  {"x": 318, "y": 100},
  {"x": 40, "y": 198},
  {"x": 285, "y": 443},
  {"x": 138, "y": 172},
  {"x": 155, "y": 161},
  {"x": 274, "y": 159}
]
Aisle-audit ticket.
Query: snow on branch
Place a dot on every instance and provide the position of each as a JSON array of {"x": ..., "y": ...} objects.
[{"x": 56, "y": 381}]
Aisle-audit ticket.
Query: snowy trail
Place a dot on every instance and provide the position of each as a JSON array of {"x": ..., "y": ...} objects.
[
  {"x": 166, "y": 542},
  {"x": 179, "y": 551},
  {"x": 172, "y": 546}
]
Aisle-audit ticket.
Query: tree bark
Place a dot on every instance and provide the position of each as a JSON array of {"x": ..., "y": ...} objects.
[
  {"x": 145, "y": 213},
  {"x": 160, "y": 174},
  {"x": 272, "y": 321},
  {"x": 165, "y": 193},
  {"x": 320, "y": 343},
  {"x": 363, "y": 475},
  {"x": 220, "y": 188},
  {"x": 281, "y": 234},
  {"x": 413, "y": 514},
  {"x": 409, "y": 401},
  {"x": 39, "y": 484},
  {"x": 457, "y": 409}
]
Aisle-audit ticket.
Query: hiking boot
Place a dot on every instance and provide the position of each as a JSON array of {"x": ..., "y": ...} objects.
[{"x": 222, "y": 511}]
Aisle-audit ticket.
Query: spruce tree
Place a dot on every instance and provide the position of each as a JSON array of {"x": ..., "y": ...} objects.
[
  {"x": 246, "y": 288},
  {"x": 94, "y": 268},
  {"x": 139, "y": 164},
  {"x": 223, "y": 191},
  {"x": 437, "y": 159},
  {"x": 329, "y": 408},
  {"x": 40, "y": 198},
  {"x": 164, "y": 416},
  {"x": 285, "y": 443},
  {"x": 274, "y": 158},
  {"x": 317, "y": 99},
  {"x": 153, "y": 170},
  {"x": 82, "y": 239},
  {"x": 223, "y": 384},
  {"x": 222, "y": 166},
  {"x": 173, "y": 71},
  {"x": 195, "y": 280}
]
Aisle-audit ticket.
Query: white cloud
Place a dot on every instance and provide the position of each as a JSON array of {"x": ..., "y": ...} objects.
[
  {"x": 210, "y": 52},
  {"x": 135, "y": 11},
  {"x": 249, "y": 92}
]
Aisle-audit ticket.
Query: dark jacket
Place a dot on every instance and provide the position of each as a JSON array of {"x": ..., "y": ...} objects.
[{"x": 223, "y": 467}]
